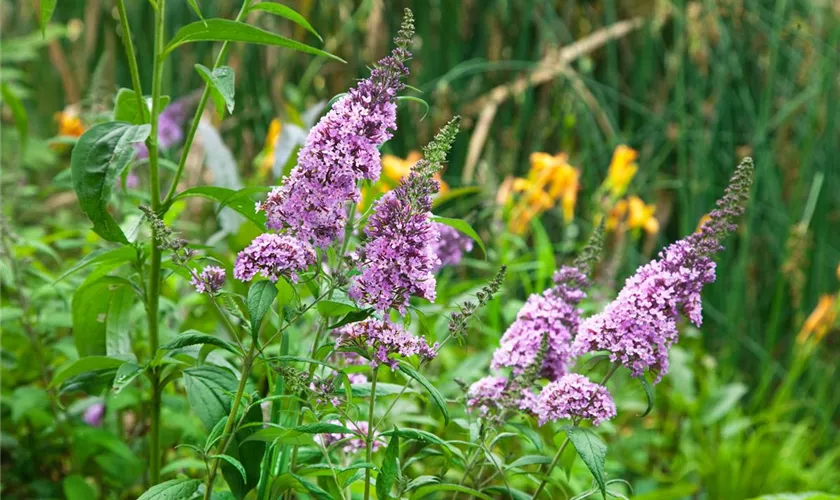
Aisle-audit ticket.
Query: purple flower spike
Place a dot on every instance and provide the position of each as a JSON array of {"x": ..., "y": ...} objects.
[
  {"x": 576, "y": 397},
  {"x": 638, "y": 328},
  {"x": 554, "y": 313},
  {"x": 341, "y": 150},
  {"x": 399, "y": 257},
  {"x": 209, "y": 281},
  {"x": 272, "y": 256},
  {"x": 486, "y": 394},
  {"x": 384, "y": 339},
  {"x": 451, "y": 246}
]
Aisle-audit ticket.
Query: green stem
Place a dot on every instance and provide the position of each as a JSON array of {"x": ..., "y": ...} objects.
[
  {"x": 132, "y": 60},
  {"x": 228, "y": 432},
  {"x": 563, "y": 446},
  {"x": 226, "y": 321},
  {"x": 369, "y": 437},
  {"x": 202, "y": 103},
  {"x": 154, "y": 274}
]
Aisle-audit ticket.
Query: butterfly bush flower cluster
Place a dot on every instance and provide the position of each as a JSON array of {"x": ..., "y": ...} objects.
[
  {"x": 273, "y": 256},
  {"x": 352, "y": 443},
  {"x": 340, "y": 151},
  {"x": 553, "y": 313},
  {"x": 398, "y": 258},
  {"x": 451, "y": 245},
  {"x": 383, "y": 340},
  {"x": 575, "y": 397},
  {"x": 209, "y": 281},
  {"x": 638, "y": 328},
  {"x": 537, "y": 344}
]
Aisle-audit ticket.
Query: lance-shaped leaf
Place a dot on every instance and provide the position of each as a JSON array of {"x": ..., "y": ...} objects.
[
  {"x": 260, "y": 297},
  {"x": 100, "y": 155},
  {"x": 225, "y": 30},
  {"x": 437, "y": 397},
  {"x": 128, "y": 109},
  {"x": 222, "y": 86},
  {"x": 98, "y": 312},
  {"x": 281, "y": 10},
  {"x": 175, "y": 489},
  {"x": 390, "y": 468},
  {"x": 592, "y": 451},
  {"x": 47, "y": 9},
  {"x": 651, "y": 398},
  {"x": 463, "y": 227}
]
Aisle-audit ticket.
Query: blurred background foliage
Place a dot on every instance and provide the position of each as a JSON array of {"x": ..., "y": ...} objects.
[{"x": 692, "y": 86}]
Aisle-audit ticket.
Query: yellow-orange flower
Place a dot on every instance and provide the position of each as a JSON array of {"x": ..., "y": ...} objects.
[
  {"x": 635, "y": 213},
  {"x": 820, "y": 321},
  {"x": 69, "y": 123},
  {"x": 550, "y": 179},
  {"x": 266, "y": 156},
  {"x": 703, "y": 220},
  {"x": 622, "y": 170}
]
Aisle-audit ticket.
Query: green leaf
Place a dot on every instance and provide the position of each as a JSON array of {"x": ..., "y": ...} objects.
[
  {"x": 91, "y": 307},
  {"x": 235, "y": 463},
  {"x": 323, "y": 428},
  {"x": 592, "y": 451},
  {"x": 289, "y": 358},
  {"x": 512, "y": 493},
  {"x": 286, "y": 293},
  {"x": 281, "y": 10},
  {"x": 282, "y": 436},
  {"x": 422, "y": 436},
  {"x": 174, "y": 489},
  {"x": 224, "y": 30},
  {"x": 249, "y": 455},
  {"x": 260, "y": 296},
  {"x": 126, "y": 373},
  {"x": 425, "y": 491},
  {"x": 352, "y": 317},
  {"x": 47, "y": 9},
  {"x": 417, "y": 100},
  {"x": 390, "y": 469},
  {"x": 208, "y": 390},
  {"x": 463, "y": 227},
  {"x": 98, "y": 158},
  {"x": 330, "y": 308},
  {"x": 242, "y": 204},
  {"x": 437, "y": 397},
  {"x": 528, "y": 460},
  {"x": 222, "y": 86},
  {"x": 651, "y": 398},
  {"x": 193, "y": 337},
  {"x": 117, "y": 324},
  {"x": 382, "y": 389},
  {"x": 76, "y": 488},
  {"x": 313, "y": 489},
  {"x": 102, "y": 257},
  {"x": 18, "y": 110},
  {"x": 83, "y": 365},
  {"x": 127, "y": 108},
  {"x": 194, "y": 7},
  {"x": 183, "y": 464}
]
